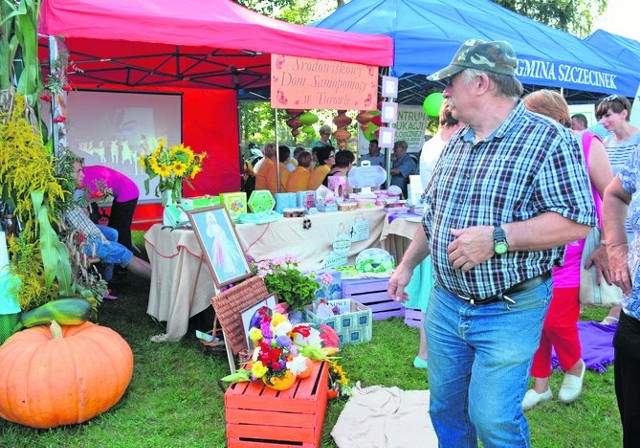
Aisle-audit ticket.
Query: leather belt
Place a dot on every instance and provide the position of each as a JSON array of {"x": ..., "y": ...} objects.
[{"x": 518, "y": 288}]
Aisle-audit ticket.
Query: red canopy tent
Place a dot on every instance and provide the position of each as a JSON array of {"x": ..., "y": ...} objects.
[{"x": 207, "y": 49}]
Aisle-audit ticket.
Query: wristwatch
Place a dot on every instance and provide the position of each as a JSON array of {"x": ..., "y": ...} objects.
[{"x": 500, "y": 245}]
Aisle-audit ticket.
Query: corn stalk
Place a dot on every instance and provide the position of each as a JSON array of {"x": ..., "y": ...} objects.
[{"x": 19, "y": 65}]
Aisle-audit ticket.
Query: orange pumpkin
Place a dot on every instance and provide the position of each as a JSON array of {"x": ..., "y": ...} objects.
[{"x": 48, "y": 381}]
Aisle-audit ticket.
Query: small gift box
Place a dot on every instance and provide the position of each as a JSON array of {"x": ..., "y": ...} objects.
[
  {"x": 235, "y": 203},
  {"x": 285, "y": 200},
  {"x": 306, "y": 199}
]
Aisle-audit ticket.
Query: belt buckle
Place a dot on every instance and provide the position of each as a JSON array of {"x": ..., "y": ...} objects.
[{"x": 471, "y": 300}]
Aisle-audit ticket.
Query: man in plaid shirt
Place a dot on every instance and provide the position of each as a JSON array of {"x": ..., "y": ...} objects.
[
  {"x": 508, "y": 192},
  {"x": 109, "y": 252}
]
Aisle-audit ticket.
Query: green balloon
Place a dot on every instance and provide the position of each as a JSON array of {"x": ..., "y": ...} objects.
[{"x": 432, "y": 104}]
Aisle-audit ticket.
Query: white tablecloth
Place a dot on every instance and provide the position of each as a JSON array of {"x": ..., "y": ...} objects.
[
  {"x": 182, "y": 286},
  {"x": 397, "y": 235}
]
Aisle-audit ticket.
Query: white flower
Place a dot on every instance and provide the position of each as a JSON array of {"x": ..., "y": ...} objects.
[
  {"x": 282, "y": 329},
  {"x": 297, "y": 365},
  {"x": 313, "y": 339}
]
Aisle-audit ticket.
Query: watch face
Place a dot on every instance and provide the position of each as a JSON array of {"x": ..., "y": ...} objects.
[{"x": 501, "y": 247}]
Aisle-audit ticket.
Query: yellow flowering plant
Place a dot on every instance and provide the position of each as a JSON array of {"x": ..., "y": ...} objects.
[{"x": 172, "y": 165}]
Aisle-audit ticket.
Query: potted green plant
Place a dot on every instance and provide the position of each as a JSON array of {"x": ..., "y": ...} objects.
[{"x": 282, "y": 277}]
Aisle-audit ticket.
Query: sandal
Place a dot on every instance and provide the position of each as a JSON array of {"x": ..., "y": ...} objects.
[{"x": 609, "y": 320}]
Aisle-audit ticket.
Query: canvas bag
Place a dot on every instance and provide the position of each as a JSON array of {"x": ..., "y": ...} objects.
[{"x": 590, "y": 292}]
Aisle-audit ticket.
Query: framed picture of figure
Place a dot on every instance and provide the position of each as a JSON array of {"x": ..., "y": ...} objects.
[{"x": 220, "y": 245}]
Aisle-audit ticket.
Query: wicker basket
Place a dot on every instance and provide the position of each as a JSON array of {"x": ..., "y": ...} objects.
[{"x": 229, "y": 305}]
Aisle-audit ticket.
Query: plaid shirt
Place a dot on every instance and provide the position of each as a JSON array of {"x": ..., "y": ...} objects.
[
  {"x": 76, "y": 218},
  {"x": 527, "y": 167}
]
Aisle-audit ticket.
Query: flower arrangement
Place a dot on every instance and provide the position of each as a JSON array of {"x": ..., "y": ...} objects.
[
  {"x": 172, "y": 165},
  {"x": 282, "y": 352},
  {"x": 338, "y": 381},
  {"x": 100, "y": 191},
  {"x": 282, "y": 277}
]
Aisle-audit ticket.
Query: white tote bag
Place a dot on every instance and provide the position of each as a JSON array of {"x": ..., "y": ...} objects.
[{"x": 591, "y": 293}]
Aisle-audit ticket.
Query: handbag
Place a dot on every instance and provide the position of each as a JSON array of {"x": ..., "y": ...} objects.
[{"x": 591, "y": 293}]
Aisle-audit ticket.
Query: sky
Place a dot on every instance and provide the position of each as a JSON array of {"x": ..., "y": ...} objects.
[{"x": 618, "y": 19}]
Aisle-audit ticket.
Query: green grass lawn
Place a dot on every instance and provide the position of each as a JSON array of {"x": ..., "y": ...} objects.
[{"x": 174, "y": 400}]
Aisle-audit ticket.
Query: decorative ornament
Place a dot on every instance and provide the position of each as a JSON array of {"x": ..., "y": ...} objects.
[
  {"x": 308, "y": 118},
  {"x": 432, "y": 104},
  {"x": 364, "y": 117},
  {"x": 341, "y": 120},
  {"x": 341, "y": 134}
]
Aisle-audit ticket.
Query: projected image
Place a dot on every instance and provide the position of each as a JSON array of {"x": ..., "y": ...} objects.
[{"x": 115, "y": 128}]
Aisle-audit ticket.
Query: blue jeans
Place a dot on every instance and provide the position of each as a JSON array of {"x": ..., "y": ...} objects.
[
  {"x": 479, "y": 362},
  {"x": 111, "y": 252}
]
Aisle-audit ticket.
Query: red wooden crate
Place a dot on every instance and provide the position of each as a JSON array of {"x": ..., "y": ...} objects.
[
  {"x": 260, "y": 417},
  {"x": 373, "y": 293}
]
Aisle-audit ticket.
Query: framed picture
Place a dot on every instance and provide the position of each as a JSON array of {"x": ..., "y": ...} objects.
[
  {"x": 251, "y": 313},
  {"x": 220, "y": 245}
]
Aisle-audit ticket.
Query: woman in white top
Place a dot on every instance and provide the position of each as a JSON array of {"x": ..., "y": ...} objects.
[{"x": 614, "y": 113}]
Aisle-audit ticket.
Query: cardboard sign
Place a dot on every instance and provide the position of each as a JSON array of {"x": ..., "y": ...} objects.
[{"x": 306, "y": 83}]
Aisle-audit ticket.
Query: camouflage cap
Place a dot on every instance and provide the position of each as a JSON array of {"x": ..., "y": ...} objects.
[{"x": 496, "y": 57}]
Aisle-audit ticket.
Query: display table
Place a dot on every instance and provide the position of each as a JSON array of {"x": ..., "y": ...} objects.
[
  {"x": 398, "y": 232},
  {"x": 181, "y": 283},
  {"x": 310, "y": 246}
]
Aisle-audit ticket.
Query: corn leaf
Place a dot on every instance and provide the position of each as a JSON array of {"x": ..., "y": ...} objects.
[{"x": 54, "y": 255}]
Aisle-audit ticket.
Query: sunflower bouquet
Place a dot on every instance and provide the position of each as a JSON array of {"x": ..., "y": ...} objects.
[{"x": 172, "y": 165}]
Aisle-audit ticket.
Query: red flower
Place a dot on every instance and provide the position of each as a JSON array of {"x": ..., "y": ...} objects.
[
  {"x": 60, "y": 119},
  {"x": 67, "y": 88},
  {"x": 302, "y": 330},
  {"x": 97, "y": 194},
  {"x": 45, "y": 97}
]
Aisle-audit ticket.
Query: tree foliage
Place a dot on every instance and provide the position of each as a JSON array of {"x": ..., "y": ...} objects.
[{"x": 574, "y": 16}]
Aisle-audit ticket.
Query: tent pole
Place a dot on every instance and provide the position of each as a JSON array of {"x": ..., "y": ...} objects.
[{"x": 275, "y": 118}]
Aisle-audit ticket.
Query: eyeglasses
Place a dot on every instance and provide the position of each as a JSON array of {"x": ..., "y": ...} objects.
[
  {"x": 612, "y": 98},
  {"x": 332, "y": 156}
]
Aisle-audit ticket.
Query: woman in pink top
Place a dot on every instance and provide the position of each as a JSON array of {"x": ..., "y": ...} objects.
[
  {"x": 125, "y": 193},
  {"x": 560, "y": 328}
]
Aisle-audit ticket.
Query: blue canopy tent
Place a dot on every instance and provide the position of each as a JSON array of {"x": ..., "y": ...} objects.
[
  {"x": 427, "y": 33},
  {"x": 616, "y": 48}
]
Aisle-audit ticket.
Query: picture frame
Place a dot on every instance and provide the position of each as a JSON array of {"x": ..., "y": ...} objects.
[
  {"x": 248, "y": 314},
  {"x": 220, "y": 245}
]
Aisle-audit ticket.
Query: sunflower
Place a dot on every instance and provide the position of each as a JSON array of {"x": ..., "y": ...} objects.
[
  {"x": 179, "y": 169},
  {"x": 196, "y": 170},
  {"x": 164, "y": 170}
]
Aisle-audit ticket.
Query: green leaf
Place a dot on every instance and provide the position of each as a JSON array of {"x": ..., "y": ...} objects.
[{"x": 55, "y": 259}]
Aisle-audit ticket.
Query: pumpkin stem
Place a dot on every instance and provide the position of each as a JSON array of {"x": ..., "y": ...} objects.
[{"x": 56, "y": 330}]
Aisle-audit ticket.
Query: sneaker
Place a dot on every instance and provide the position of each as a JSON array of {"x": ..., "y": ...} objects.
[
  {"x": 532, "y": 398},
  {"x": 571, "y": 386},
  {"x": 420, "y": 363}
]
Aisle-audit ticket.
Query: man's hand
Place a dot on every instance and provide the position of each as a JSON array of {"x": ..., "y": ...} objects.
[
  {"x": 472, "y": 246},
  {"x": 600, "y": 260},
  {"x": 398, "y": 281}
]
